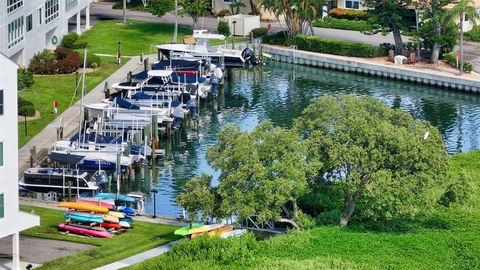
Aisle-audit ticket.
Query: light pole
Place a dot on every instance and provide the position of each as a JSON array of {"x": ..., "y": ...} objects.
[
  {"x": 124, "y": 11},
  {"x": 154, "y": 191},
  {"x": 233, "y": 36},
  {"x": 417, "y": 19}
]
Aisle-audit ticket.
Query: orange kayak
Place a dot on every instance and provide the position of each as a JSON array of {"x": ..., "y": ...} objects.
[
  {"x": 83, "y": 207},
  {"x": 111, "y": 225}
]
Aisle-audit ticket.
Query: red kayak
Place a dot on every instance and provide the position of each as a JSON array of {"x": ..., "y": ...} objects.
[
  {"x": 111, "y": 225},
  {"x": 84, "y": 230}
]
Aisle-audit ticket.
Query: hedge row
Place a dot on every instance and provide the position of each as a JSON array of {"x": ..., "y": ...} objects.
[
  {"x": 325, "y": 45},
  {"x": 349, "y": 14},
  {"x": 344, "y": 24}
]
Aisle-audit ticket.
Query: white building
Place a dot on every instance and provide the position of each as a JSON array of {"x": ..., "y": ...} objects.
[
  {"x": 29, "y": 26},
  {"x": 12, "y": 221}
]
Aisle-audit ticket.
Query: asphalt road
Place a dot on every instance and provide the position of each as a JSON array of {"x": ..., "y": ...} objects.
[{"x": 104, "y": 11}]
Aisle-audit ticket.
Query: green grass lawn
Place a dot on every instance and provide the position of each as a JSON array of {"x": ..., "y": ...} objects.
[
  {"x": 135, "y": 38},
  {"x": 61, "y": 88},
  {"x": 142, "y": 237},
  {"x": 450, "y": 239}
]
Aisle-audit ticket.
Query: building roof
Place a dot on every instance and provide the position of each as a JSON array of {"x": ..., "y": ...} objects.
[{"x": 476, "y": 4}]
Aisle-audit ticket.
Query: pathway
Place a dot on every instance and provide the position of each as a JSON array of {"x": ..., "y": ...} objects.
[
  {"x": 138, "y": 258},
  {"x": 47, "y": 137}
]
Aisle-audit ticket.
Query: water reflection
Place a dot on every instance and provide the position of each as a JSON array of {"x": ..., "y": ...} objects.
[{"x": 279, "y": 92}]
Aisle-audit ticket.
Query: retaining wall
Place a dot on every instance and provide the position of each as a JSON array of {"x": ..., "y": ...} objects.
[{"x": 356, "y": 65}]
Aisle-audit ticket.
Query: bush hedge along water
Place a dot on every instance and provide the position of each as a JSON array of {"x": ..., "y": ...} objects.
[
  {"x": 451, "y": 59},
  {"x": 344, "y": 24},
  {"x": 336, "y": 47},
  {"x": 259, "y": 32}
]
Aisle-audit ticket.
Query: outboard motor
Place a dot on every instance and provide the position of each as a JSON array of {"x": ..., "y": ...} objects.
[
  {"x": 102, "y": 181},
  {"x": 249, "y": 56},
  {"x": 215, "y": 82},
  {"x": 192, "y": 107}
]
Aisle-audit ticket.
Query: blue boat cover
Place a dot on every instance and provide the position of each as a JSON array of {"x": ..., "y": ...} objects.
[
  {"x": 125, "y": 104},
  {"x": 177, "y": 64},
  {"x": 66, "y": 158}
]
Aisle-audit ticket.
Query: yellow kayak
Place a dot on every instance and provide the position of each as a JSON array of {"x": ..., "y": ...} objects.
[
  {"x": 206, "y": 228},
  {"x": 116, "y": 214},
  {"x": 214, "y": 232},
  {"x": 84, "y": 207},
  {"x": 110, "y": 219}
]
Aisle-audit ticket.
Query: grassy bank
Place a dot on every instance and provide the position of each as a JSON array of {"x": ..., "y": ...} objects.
[
  {"x": 447, "y": 240},
  {"x": 61, "y": 88},
  {"x": 141, "y": 238}
]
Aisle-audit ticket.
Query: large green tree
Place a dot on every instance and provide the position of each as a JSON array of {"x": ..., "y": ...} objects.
[
  {"x": 198, "y": 197},
  {"x": 382, "y": 158},
  {"x": 161, "y": 7},
  {"x": 262, "y": 172},
  {"x": 392, "y": 16}
]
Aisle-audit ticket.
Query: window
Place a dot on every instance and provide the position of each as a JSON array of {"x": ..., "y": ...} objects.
[
  {"x": 2, "y": 206},
  {"x": 40, "y": 15},
  {"x": 1, "y": 102},
  {"x": 1, "y": 154},
  {"x": 13, "y": 4},
  {"x": 352, "y": 4},
  {"x": 70, "y": 4},
  {"x": 51, "y": 10},
  {"x": 29, "y": 22},
  {"x": 15, "y": 32}
]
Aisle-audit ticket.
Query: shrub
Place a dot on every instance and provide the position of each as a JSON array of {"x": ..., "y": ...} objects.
[
  {"x": 304, "y": 221},
  {"x": 345, "y": 24},
  {"x": 62, "y": 61},
  {"x": 224, "y": 12},
  {"x": 259, "y": 32},
  {"x": 337, "y": 47},
  {"x": 451, "y": 59},
  {"x": 460, "y": 191},
  {"x": 24, "y": 79},
  {"x": 25, "y": 107},
  {"x": 93, "y": 61},
  {"x": 68, "y": 40},
  {"x": 384, "y": 48},
  {"x": 279, "y": 38},
  {"x": 223, "y": 28},
  {"x": 474, "y": 34},
  {"x": 349, "y": 14}
]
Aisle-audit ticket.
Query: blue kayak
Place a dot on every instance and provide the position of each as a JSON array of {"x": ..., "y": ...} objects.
[
  {"x": 113, "y": 196},
  {"x": 127, "y": 210},
  {"x": 126, "y": 219},
  {"x": 84, "y": 217}
]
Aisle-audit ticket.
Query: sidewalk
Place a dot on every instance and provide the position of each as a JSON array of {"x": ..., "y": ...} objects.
[
  {"x": 138, "y": 258},
  {"x": 47, "y": 137}
]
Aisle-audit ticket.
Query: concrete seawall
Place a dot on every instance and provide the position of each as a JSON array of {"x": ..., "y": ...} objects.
[{"x": 357, "y": 65}]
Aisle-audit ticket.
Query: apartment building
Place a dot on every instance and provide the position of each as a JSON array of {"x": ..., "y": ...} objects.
[
  {"x": 12, "y": 221},
  {"x": 29, "y": 26}
]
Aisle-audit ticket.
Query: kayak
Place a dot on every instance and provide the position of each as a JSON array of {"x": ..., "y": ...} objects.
[
  {"x": 185, "y": 229},
  {"x": 84, "y": 217},
  {"x": 98, "y": 202},
  {"x": 124, "y": 224},
  {"x": 214, "y": 232},
  {"x": 111, "y": 225},
  {"x": 116, "y": 214},
  {"x": 112, "y": 196},
  {"x": 237, "y": 233},
  {"x": 83, "y": 207},
  {"x": 111, "y": 219},
  {"x": 127, "y": 210},
  {"x": 84, "y": 230},
  {"x": 205, "y": 228},
  {"x": 126, "y": 219}
]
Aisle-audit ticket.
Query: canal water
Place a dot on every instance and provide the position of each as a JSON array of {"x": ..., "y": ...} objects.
[{"x": 279, "y": 92}]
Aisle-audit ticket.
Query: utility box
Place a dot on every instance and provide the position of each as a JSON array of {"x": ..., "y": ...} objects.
[{"x": 241, "y": 25}]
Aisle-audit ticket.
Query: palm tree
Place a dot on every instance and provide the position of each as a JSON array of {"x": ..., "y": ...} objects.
[
  {"x": 464, "y": 8},
  {"x": 236, "y": 5}
]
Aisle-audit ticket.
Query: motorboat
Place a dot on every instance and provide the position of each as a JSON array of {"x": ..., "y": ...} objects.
[
  {"x": 45, "y": 180},
  {"x": 202, "y": 49}
]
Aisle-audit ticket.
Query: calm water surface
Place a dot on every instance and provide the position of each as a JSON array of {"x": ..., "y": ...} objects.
[{"x": 279, "y": 92}]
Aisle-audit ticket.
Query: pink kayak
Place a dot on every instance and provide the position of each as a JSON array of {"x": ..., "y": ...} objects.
[
  {"x": 84, "y": 230},
  {"x": 99, "y": 203}
]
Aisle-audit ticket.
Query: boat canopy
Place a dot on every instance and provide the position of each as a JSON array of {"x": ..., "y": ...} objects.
[
  {"x": 159, "y": 73},
  {"x": 66, "y": 158},
  {"x": 202, "y": 34}
]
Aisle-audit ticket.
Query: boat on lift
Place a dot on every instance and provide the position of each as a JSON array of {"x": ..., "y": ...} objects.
[{"x": 202, "y": 49}]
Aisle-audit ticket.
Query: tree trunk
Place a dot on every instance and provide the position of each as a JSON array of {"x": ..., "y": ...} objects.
[
  {"x": 289, "y": 221},
  {"x": 195, "y": 22},
  {"x": 436, "y": 46},
  {"x": 253, "y": 7},
  {"x": 285, "y": 211},
  {"x": 461, "y": 42},
  {"x": 397, "y": 38},
  {"x": 295, "y": 209},
  {"x": 350, "y": 202}
]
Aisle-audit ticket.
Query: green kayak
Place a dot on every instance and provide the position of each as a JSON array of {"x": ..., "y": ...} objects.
[{"x": 185, "y": 229}]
